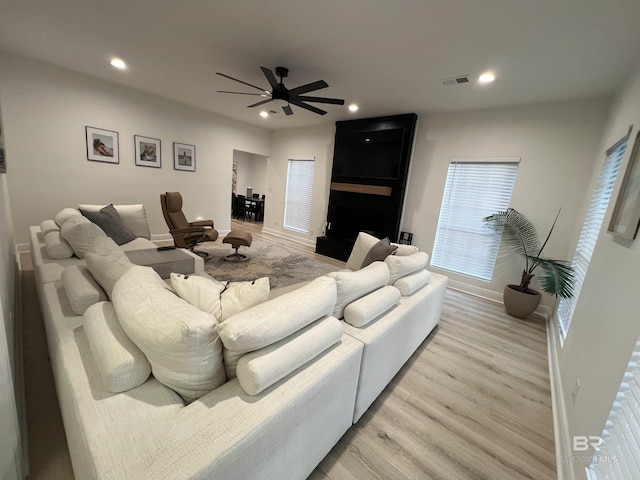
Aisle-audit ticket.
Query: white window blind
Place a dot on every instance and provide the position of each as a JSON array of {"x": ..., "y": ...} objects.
[
  {"x": 618, "y": 456},
  {"x": 591, "y": 230},
  {"x": 297, "y": 206},
  {"x": 473, "y": 190}
]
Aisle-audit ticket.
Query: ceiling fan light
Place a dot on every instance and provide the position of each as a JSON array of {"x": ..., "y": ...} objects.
[
  {"x": 353, "y": 107},
  {"x": 264, "y": 114},
  {"x": 487, "y": 77},
  {"x": 118, "y": 63}
]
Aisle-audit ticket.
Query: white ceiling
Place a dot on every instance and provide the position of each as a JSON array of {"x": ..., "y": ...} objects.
[{"x": 386, "y": 55}]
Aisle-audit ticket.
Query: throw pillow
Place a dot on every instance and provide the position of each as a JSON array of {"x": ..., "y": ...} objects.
[
  {"x": 354, "y": 285},
  {"x": 379, "y": 252},
  {"x": 80, "y": 232},
  {"x": 201, "y": 292},
  {"x": 57, "y": 247},
  {"x": 64, "y": 215},
  {"x": 133, "y": 216},
  {"x": 363, "y": 244},
  {"x": 401, "y": 266},
  {"x": 240, "y": 296},
  {"x": 409, "y": 284},
  {"x": 108, "y": 219},
  {"x": 47, "y": 226},
  {"x": 366, "y": 309},
  {"x": 107, "y": 262},
  {"x": 404, "y": 250},
  {"x": 81, "y": 288},
  {"x": 178, "y": 339}
]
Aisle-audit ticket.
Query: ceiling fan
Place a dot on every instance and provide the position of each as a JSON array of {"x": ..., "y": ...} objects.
[{"x": 283, "y": 95}]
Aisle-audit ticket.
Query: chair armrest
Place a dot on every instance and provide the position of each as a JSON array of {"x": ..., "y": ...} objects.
[
  {"x": 202, "y": 223},
  {"x": 185, "y": 230}
]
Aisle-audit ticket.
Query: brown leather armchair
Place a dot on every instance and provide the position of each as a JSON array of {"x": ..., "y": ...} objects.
[{"x": 185, "y": 234}]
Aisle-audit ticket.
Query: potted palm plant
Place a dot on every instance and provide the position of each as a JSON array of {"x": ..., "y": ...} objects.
[{"x": 519, "y": 233}]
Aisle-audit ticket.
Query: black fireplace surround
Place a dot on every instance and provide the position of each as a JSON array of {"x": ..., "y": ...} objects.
[{"x": 368, "y": 181}]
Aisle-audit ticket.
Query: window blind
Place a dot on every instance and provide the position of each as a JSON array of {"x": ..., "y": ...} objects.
[
  {"x": 618, "y": 456},
  {"x": 297, "y": 206},
  {"x": 590, "y": 230},
  {"x": 473, "y": 190}
]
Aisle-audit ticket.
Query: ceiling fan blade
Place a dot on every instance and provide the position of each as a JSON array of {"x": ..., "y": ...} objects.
[
  {"x": 333, "y": 101},
  {"x": 243, "y": 93},
  {"x": 260, "y": 103},
  {"x": 309, "y": 87},
  {"x": 270, "y": 77},
  {"x": 245, "y": 83},
  {"x": 311, "y": 108},
  {"x": 287, "y": 110}
]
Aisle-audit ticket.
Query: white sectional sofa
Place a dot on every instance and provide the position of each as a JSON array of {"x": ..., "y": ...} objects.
[{"x": 296, "y": 371}]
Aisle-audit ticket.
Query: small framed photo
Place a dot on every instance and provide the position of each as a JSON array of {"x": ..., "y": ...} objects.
[
  {"x": 147, "y": 151},
  {"x": 184, "y": 157},
  {"x": 102, "y": 145},
  {"x": 626, "y": 213}
]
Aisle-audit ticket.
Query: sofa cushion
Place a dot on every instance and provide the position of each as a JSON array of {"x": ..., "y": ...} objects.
[
  {"x": 381, "y": 250},
  {"x": 274, "y": 320},
  {"x": 178, "y": 339},
  {"x": 64, "y": 215},
  {"x": 262, "y": 368},
  {"x": 413, "y": 282},
  {"x": 371, "y": 306},
  {"x": 353, "y": 285},
  {"x": 47, "y": 226},
  {"x": 81, "y": 288},
  {"x": 240, "y": 296},
  {"x": 399, "y": 266},
  {"x": 363, "y": 244},
  {"x": 57, "y": 247},
  {"x": 80, "y": 232},
  {"x": 404, "y": 250},
  {"x": 108, "y": 219},
  {"x": 121, "y": 364},
  {"x": 107, "y": 262},
  {"x": 199, "y": 291},
  {"x": 133, "y": 216}
]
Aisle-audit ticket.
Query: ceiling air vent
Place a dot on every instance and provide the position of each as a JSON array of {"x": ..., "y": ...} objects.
[{"x": 455, "y": 80}]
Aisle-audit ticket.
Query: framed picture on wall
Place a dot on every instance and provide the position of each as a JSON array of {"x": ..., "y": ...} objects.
[
  {"x": 626, "y": 213},
  {"x": 184, "y": 157},
  {"x": 147, "y": 151},
  {"x": 102, "y": 145}
]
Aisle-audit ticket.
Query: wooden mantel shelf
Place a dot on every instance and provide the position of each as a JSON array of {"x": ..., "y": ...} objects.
[{"x": 358, "y": 188}]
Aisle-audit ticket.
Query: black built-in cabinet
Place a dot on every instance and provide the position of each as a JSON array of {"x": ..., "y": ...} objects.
[{"x": 368, "y": 181}]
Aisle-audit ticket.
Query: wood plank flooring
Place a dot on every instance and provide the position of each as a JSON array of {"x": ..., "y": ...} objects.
[{"x": 473, "y": 402}]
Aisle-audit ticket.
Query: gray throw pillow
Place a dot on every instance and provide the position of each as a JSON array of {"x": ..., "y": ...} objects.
[
  {"x": 379, "y": 252},
  {"x": 108, "y": 219}
]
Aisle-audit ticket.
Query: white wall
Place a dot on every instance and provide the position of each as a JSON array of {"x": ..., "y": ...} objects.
[
  {"x": 46, "y": 110},
  {"x": 10, "y": 444},
  {"x": 556, "y": 143},
  {"x": 252, "y": 172},
  {"x": 606, "y": 323},
  {"x": 300, "y": 143}
]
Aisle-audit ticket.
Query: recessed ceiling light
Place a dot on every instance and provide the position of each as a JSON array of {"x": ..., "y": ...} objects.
[
  {"x": 264, "y": 114},
  {"x": 487, "y": 77},
  {"x": 353, "y": 107},
  {"x": 118, "y": 63}
]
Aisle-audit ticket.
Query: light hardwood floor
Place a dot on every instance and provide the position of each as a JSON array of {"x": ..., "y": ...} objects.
[{"x": 473, "y": 402}]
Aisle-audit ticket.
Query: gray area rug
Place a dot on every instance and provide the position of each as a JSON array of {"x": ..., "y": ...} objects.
[{"x": 282, "y": 266}]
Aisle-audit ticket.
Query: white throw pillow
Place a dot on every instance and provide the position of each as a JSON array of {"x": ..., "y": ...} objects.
[
  {"x": 57, "y": 247},
  {"x": 363, "y": 244},
  {"x": 353, "y": 285},
  {"x": 178, "y": 339},
  {"x": 401, "y": 266},
  {"x": 240, "y": 296},
  {"x": 81, "y": 288},
  {"x": 371, "y": 306},
  {"x": 201, "y": 292},
  {"x": 121, "y": 364},
  {"x": 133, "y": 216},
  {"x": 404, "y": 250},
  {"x": 65, "y": 214},
  {"x": 47, "y": 226},
  {"x": 413, "y": 282},
  {"x": 262, "y": 368},
  {"x": 80, "y": 232},
  {"x": 274, "y": 320},
  {"x": 107, "y": 262}
]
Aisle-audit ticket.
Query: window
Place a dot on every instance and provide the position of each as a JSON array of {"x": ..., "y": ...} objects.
[
  {"x": 618, "y": 455},
  {"x": 590, "y": 230},
  {"x": 474, "y": 189},
  {"x": 297, "y": 203}
]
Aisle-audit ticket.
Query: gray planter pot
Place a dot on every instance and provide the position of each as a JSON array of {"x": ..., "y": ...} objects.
[{"x": 518, "y": 304}]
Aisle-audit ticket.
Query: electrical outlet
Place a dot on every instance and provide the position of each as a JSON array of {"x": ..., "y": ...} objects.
[{"x": 576, "y": 389}]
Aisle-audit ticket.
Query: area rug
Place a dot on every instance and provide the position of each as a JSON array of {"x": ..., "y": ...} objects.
[{"x": 282, "y": 266}]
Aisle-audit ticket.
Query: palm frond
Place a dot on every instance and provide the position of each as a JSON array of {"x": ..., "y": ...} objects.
[
  {"x": 517, "y": 231},
  {"x": 558, "y": 277}
]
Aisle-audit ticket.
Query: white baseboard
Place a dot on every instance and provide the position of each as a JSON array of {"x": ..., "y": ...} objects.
[{"x": 564, "y": 451}]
